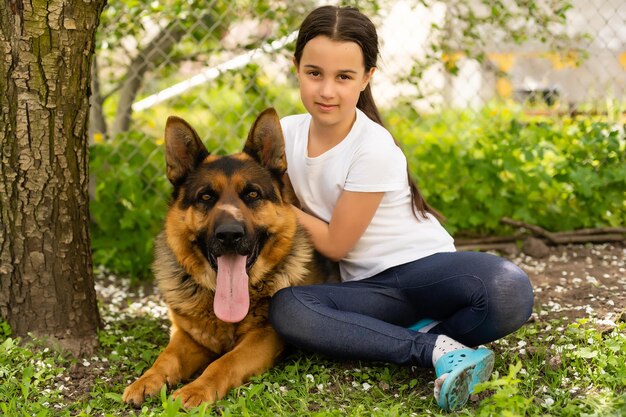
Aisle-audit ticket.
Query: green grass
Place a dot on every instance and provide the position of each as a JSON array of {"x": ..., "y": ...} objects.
[{"x": 546, "y": 368}]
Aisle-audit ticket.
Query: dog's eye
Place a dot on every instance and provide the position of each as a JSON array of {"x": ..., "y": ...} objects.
[
  {"x": 207, "y": 197},
  {"x": 251, "y": 195}
]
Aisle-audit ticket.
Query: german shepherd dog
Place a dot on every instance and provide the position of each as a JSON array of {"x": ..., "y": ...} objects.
[{"x": 229, "y": 243}]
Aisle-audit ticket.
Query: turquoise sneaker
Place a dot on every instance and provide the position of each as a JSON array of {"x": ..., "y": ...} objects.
[
  {"x": 420, "y": 324},
  {"x": 465, "y": 369}
]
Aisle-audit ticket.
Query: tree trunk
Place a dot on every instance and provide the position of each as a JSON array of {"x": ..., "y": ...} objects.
[{"x": 46, "y": 277}]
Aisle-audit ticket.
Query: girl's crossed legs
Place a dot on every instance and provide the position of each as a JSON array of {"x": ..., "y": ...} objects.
[{"x": 477, "y": 297}]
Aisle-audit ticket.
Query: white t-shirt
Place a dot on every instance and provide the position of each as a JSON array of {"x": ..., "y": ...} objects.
[{"x": 366, "y": 160}]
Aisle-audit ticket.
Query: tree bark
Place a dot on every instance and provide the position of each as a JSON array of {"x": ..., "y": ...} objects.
[{"x": 46, "y": 277}]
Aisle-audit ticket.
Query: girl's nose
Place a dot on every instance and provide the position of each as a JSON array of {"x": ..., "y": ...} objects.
[{"x": 327, "y": 89}]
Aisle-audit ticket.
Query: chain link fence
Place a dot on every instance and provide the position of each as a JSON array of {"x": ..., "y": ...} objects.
[
  {"x": 217, "y": 64},
  {"x": 210, "y": 57}
]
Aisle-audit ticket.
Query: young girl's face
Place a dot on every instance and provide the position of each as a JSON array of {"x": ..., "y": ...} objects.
[{"x": 332, "y": 75}]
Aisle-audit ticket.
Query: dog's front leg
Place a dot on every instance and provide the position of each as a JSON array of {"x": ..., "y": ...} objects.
[
  {"x": 255, "y": 353},
  {"x": 180, "y": 360}
]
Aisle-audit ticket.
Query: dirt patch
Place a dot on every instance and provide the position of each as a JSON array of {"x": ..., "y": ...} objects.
[
  {"x": 570, "y": 281},
  {"x": 577, "y": 281}
]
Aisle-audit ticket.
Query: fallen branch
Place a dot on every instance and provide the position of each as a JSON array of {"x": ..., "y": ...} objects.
[
  {"x": 489, "y": 240},
  {"x": 540, "y": 231},
  {"x": 607, "y": 237},
  {"x": 501, "y": 247},
  {"x": 595, "y": 231},
  {"x": 509, "y": 243},
  {"x": 602, "y": 234}
]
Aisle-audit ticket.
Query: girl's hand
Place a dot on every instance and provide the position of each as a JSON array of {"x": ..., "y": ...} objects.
[{"x": 353, "y": 213}]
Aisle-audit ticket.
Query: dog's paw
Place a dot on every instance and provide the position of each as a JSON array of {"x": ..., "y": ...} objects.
[
  {"x": 147, "y": 385},
  {"x": 194, "y": 394}
]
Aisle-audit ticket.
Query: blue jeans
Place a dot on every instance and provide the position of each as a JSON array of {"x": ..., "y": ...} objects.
[{"x": 478, "y": 298}]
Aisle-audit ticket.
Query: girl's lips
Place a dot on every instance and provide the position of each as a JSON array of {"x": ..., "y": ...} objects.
[{"x": 326, "y": 107}]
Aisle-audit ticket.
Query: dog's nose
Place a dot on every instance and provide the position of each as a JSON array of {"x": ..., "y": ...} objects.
[{"x": 229, "y": 233}]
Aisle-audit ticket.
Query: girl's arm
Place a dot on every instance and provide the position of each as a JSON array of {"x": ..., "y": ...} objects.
[{"x": 353, "y": 213}]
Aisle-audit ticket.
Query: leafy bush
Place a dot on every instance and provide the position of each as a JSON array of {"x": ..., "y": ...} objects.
[
  {"x": 129, "y": 203},
  {"x": 480, "y": 167}
]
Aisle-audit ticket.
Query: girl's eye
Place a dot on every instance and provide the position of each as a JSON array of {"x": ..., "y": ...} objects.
[
  {"x": 345, "y": 77},
  {"x": 314, "y": 73}
]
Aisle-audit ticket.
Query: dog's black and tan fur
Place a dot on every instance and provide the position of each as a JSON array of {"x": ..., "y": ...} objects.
[{"x": 237, "y": 205}]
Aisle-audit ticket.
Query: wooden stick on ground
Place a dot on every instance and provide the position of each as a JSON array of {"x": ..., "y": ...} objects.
[
  {"x": 531, "y": 227},
  {"x": 603, "y": 234}
]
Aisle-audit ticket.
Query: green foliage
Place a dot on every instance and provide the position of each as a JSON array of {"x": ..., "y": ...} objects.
[
  {"x": 506, "y": 400},
  {"x": 221, "y": 114},
  {"x": 151, "y": 43},
  {"x": 129, "y": 203},
  {"x": 609, "y": 367},
  {"x": 566, "y": 370},
  {"x": 5, "y": 330},
  {"x": 480, "y": 167},
  {"x": 25, "y": 374}
]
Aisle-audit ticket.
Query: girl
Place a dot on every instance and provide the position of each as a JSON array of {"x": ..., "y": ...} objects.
[{"x": 406, "y": 296}]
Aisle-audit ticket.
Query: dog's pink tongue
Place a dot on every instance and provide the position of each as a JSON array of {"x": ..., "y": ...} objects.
[{"x": 232, "y": 300}]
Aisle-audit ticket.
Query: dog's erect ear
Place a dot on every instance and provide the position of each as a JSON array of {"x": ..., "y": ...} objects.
[
  {"x": 183, "y": 149},
  {"x": 266, "y": 143}
]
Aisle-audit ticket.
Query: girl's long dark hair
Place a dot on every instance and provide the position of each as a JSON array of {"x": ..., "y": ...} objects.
[{"x": 347, "y": 24}]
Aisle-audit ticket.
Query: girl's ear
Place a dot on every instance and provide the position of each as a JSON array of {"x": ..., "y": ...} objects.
[{"x": 367, "y": 77}]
